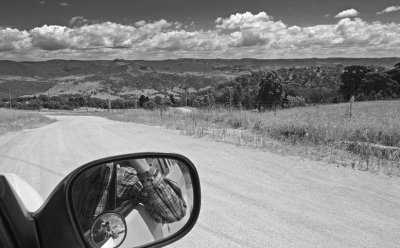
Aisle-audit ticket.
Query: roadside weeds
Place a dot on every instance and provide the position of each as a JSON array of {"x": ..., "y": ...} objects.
[
  {"x": 15, "y": 120},
  {"x": 255, "y": 130}
]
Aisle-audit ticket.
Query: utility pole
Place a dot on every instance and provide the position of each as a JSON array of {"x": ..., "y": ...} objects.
[
  {"x": 9, "y": 94},
  {"x": 109, "y": 98},
  {"x": 186, "y": 96}
]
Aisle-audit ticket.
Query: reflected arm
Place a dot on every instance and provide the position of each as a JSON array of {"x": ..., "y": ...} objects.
[{"x": 161, "y": 197}]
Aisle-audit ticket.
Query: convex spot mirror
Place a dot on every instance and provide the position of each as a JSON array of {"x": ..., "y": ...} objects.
[
  {"x": 150, "y": 198},
  {"x": 108, "y": 230}
]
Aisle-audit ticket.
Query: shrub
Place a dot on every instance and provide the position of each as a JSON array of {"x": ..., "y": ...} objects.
[
  {"x": 296, "y": 101},
  {"x": 149, "y": 104},
  {"x": 66, "y": 107}
]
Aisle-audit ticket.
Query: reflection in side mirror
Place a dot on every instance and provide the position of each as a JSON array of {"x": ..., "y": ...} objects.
[
  {"x": 108, "y": 230},
  {"x": 153, "y": 195}
]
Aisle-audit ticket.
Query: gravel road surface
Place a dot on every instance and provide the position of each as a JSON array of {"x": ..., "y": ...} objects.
[{"x": 250, "y": 198}]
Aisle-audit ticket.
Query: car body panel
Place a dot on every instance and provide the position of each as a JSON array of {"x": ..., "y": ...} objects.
[{"x": 30, "y": 198}]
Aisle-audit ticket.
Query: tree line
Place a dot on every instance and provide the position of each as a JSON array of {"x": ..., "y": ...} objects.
[
  {"x": 367, "y": 83},
  {"x": 65, "y": 102},
  {"x": 269, "y": 89},
  {"x": 285, "y": 87}
]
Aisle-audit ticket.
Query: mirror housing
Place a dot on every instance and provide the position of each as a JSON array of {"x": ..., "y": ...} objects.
[{"x": 58, "y": 224}]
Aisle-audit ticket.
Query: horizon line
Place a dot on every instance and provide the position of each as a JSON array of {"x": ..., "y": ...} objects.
[{"x": 176, "y": 59}]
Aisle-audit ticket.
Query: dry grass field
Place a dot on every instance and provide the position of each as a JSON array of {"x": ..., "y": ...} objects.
[
  {"x": 369, "y": 139},
  {"x": 15, "y": 120}
]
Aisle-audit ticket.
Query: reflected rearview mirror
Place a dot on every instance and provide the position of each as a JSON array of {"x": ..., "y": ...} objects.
[{"x": 152, "y": 198}]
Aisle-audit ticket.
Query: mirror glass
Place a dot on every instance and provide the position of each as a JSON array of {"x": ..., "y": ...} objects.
[{"x": 153, "y": 196}]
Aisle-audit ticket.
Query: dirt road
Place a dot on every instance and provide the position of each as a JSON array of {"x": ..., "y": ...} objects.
[{"x": 250, "y": 198}]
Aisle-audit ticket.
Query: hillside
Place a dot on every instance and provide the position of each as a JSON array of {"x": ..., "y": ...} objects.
[{"x": 134, "y": 78}]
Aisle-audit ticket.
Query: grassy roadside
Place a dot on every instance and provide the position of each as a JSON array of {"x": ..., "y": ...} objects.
[
  {"x": 15, "y": 120},
  {"x": 368, "y": 140}
]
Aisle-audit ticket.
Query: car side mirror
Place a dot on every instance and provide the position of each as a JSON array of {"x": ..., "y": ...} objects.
[{"x": 133, "y": 200}]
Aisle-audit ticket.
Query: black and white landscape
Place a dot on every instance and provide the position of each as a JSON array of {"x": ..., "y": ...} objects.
[{"x": 289, "y": 109}]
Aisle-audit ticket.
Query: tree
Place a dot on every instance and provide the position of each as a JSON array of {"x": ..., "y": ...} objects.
[
  {"x": 54, "y": 105},
  {"x": 44, "y": 98},
  {"x": 211, "y": 99},
  {"x": 226, "y": 96},
  {"x": 394, "y": 74},
  {"x": 112, "y": 86},
  {"x": 205, "y": 101},
  {"x": 182, "y": 101},
  {"x": 270, "y": 90},
  {"x": 131, "y": 103},
  {"x": 158, "y": 101},
  {"x": 285, "y": 101},
  {"x": 34, "y": 104},
  {"x": 118, "y": 104},
  {"x": 379, "y": 82},
  {"x": 351, "y": 80},
  {"x": 168, "y": 103},
  {"x": 142, "y": 100},
  {"x": 238, "y": 95},
  {"x": 172, "y": 99},
  {"x": 149, "y": 104}
]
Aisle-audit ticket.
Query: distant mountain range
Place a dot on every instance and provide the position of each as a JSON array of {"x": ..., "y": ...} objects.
[{"x": 131, "y": 78}]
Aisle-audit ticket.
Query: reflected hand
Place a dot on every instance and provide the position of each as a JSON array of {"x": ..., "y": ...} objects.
[{"x": 140, "y": 165}]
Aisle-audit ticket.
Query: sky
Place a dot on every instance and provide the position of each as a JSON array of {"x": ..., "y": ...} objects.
[{"x": 33, "y": 30}]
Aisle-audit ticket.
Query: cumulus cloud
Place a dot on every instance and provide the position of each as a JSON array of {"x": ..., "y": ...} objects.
[
  {"x": 389, "y": 9},
  {"x": 244, "y": 21},
  {"x": 235, "y": 36},
  {"x": 13, "y": 39},
  {"x": 78, "y": 21},
  {"x": 96, "y": 35},
  {"x": 50, "y": 37},
  {"x": 86, "y": 37},
  {"x": 347, "y": 13},
  {"x": 42, "y": 2},
  {"x": 247, "y": 29},
  {"x": 63, "y": 4}
]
